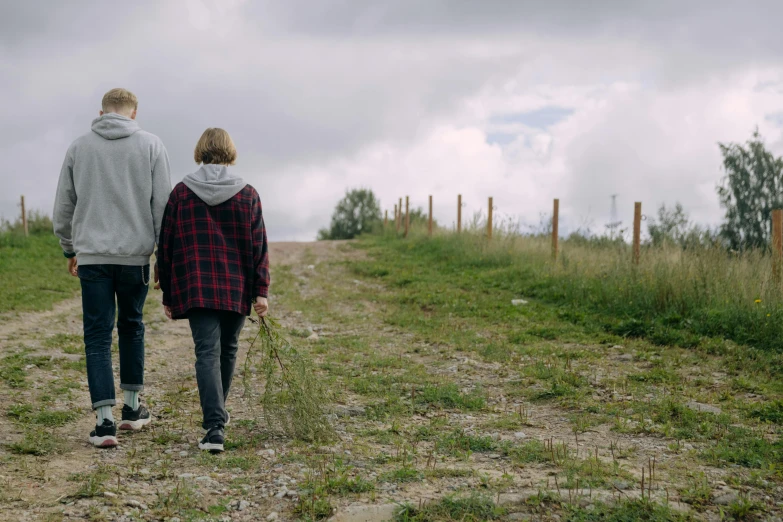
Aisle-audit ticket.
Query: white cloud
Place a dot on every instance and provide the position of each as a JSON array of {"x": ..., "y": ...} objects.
[{"x": 402, "y": 97}]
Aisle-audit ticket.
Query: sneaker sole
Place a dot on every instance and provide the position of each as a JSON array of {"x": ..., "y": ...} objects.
[
  {"x": 136, "y": 425},
  {"x": 108, "y": 441},
  {"x": 208, "y": 446}
]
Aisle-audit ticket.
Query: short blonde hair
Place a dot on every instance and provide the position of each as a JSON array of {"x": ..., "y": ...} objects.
[
  {"x": 215, "y": 146},
  {"x": 119, "y": 100}
]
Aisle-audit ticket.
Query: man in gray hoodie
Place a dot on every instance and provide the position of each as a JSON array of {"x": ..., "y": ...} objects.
[{"x": 113, "y": 190}]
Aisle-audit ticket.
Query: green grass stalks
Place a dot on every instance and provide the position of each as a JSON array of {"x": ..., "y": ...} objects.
[
  {"x": 674, "y": 297},
  {"x": 293, "y": 397}
]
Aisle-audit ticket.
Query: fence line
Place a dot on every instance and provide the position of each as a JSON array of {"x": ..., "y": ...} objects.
[{"x": 404, "y": 220}]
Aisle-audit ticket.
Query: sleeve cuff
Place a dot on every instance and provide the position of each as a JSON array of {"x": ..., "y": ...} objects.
[
  {"x": 69, "y": 255},
  {"x": 261, "y": 292}
]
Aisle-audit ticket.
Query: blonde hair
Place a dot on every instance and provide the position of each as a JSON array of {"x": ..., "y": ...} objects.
[
  {"x": 119, "y": 100},
  {"x": 215, "y": 146}
]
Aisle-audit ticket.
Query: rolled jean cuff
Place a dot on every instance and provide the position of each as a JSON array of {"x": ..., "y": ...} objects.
[
  {"x": 132, "y": 387},
  {"x": 107, "y": 402}
]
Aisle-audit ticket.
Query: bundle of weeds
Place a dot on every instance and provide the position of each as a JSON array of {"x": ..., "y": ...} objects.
[{"x": 293, "y": 397}]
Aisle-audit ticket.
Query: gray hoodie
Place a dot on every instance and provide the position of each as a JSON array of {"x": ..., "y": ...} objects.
[
  {"x": 113, "y": 190},
  {"x": 214, "y": 184}
]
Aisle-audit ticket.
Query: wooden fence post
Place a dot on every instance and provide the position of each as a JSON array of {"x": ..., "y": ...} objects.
[
  {"x": 399, "y": 215},
  {"x": 637, "y": 232},
  {"x": 24, "y": 218},
  {"x": 459, "y": 213},
  {"x": 407, "y": 215},
  {"x": 489, "y": 219},
  {"x": 555, "y": 225},
  {"x": 777, "y": 243},
  {"x": 385, "y": 218},
  {"x": 430, "y": 223}
]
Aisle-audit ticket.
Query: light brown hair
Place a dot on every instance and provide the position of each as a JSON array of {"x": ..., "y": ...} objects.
[
  {"x": 119, "y": 100},
  {"x": 215, "y": 146}
]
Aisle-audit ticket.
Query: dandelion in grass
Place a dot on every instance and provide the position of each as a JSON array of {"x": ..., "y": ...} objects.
[{"x": 757, "y": 301}]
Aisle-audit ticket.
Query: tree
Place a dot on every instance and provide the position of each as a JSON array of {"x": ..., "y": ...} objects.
[
  {"x": 749, "y": 191},
  {"x": 674, "y": 227},
  {"x": 671, "y": 226},
  {"x": 359, "y": 211}
]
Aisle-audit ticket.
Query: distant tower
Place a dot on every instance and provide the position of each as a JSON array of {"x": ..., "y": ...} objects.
[{"x": 613, "y": 226}]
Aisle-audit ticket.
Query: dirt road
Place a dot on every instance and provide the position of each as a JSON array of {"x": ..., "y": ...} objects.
[{"x": 510, "y": 450}]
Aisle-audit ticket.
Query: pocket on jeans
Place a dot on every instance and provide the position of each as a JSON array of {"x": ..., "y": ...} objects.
[
  {"x": 137, "y": 275},
  {"x": 91, "y": 272}
]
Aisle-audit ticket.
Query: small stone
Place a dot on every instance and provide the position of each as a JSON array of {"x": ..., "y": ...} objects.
[
  {"x": 520, "y": 435},
  {"x": 349, "y": 411},
  {"x": 243, "y": 505},
  {"x": 518, "y": 302},
  {"x": 313, "y": 337},
  {"x": 134, "y": 503},
  {"x": 203, "y": 478},
  {"x": 726, "y": 498},
  {"x": 698, "y": 406},
  {"x": 183, "y": 453},
  {"x": 186, "y": 476},
  {"x": 625, "y": 357},
  {"x": 109, "y": 494},
  {"x": 512, "y": 499},
  {"x": 281, "y": 492},
  {"x": 291, "y": 493},
  {"x": 272, "y": 516}
]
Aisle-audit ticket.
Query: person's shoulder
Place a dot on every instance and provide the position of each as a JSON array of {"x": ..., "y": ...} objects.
[
  {"x": 179, "y": 192},
  {"x": 81, "y": 141},
  {"x": 250, "y": 192},
  {"x": 148, "y": 137}
]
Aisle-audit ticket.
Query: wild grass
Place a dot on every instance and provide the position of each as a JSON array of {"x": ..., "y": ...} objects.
[
  {"x": 294, "y": 397},
  {"x": 33, "y": 270},
  {"x": 674, "y": 297},
  {"x": 472, "y": 508}
]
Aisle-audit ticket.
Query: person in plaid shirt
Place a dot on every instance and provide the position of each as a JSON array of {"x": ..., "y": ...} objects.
[{"x": 213, "y": 265}]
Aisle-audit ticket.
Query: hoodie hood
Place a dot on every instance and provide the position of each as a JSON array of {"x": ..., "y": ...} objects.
[
  {"x": 214, "y": 184},
  {"x": 113, "y": 126}
]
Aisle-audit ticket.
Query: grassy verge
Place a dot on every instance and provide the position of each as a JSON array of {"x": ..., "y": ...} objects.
[
  {"x": 33, "y": 272},
  {"x": 674, "y": 297}
]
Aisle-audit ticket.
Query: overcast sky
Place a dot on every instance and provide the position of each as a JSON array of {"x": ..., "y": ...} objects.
[{"x": 524, "y": 101}]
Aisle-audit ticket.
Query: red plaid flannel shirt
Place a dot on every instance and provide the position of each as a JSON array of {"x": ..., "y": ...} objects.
[{"x": 212, "y": 257}]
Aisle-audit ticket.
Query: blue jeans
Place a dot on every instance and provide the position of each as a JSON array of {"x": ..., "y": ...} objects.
[
  {"x": 216, "y": 336},
  {"x": 101, "y": 285}
]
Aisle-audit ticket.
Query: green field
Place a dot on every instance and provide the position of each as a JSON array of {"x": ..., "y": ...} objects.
[
  {"x": 443, "y": 387},
  {"x": 33, "y": 271}
]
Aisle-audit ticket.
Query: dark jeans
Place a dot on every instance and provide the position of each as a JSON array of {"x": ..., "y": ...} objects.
[
  {"x": 101, "y": 285},
  {"x": 216, "y": 335}
]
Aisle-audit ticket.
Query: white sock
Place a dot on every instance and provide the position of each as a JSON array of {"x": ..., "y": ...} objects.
[
  {"x": 132, "y": 399},
  {"x": 103, "y": 412}
]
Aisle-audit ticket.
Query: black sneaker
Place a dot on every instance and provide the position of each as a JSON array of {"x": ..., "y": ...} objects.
[
  {"x": 105, "y": 435},
  {"x": 134, "y": 420},
  {"x": 213, "y": 440}
]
